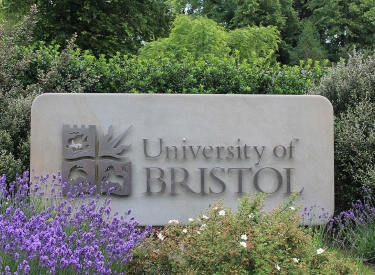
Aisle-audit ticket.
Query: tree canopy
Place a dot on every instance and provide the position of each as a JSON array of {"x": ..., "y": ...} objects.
[
  {"x": 343, "y": 25},
  {"x": 332, "y": 28},
  {"x": 309, "y": 46},
  {"x": 234, "y": 14},
  {"x": 104, "y": 27},
  {"x": 200, "y": 36}
]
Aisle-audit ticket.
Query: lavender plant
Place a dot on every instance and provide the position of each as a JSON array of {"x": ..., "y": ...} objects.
[
  {"x": 354, "y": 229},
  {"x": 51, "y": 236}
]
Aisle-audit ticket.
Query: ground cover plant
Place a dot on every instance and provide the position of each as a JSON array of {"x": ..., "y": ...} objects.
[{"x": 58, "y": 235}]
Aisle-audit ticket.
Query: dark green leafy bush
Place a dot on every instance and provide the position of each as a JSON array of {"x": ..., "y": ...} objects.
[
  {"x": 24, "y": 74},
  {"x": 348, "y": 83},
  {"x": 8, "y": 164},
  {"x": 354, "y": 153},
  {"x": 351, "y": 89},
  {"x": 209, "y": 74},
  {"x": 212, "y": 75}
]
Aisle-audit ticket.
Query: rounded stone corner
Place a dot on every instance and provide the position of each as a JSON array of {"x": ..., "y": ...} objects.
[
  {"x": 38, "y": 100},
  {"x": 324, "y": 100}
]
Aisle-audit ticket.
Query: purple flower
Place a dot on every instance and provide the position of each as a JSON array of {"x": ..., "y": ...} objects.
[{"x": 61, "y": 236}]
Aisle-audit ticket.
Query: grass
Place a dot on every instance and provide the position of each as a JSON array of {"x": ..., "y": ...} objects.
[{"x": 320, "y": 236}]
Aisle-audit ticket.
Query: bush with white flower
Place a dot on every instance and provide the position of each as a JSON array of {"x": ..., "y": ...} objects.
[{"x": 247, "y": 241}]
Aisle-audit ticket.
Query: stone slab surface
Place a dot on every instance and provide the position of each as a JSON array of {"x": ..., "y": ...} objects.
[{"x": 169, "y": 156}]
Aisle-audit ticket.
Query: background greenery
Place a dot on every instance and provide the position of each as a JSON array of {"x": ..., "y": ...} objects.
[{"x": 125, "y": 26}]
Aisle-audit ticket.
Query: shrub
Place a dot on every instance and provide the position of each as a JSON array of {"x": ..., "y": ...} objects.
[
  {"x": 354, "y": 153},
  {"x": 348, "y": 83},
  {"x": 8, "y": 164},
  {"x": 51, "y": 235},
  {"x": 247, "y": 241},
  {"x": 18, "y": 89},
  {"x": 210, "y": 75},
  {"x": 351, "y": 89}
]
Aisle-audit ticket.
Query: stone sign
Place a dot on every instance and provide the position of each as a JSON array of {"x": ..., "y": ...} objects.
[{"x": 169, "y": 156}]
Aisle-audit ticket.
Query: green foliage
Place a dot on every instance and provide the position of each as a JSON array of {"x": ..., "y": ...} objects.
[
  {"x": 24, "y": 74},
  {"x": 351, "y": 89},
  {"x": 108, "y": 27},
  {"x": 16, "y": 9},
  {"x": 348, "y": 83},
  {"x": 309, "y": 46},
  {"x": 12, "y": 12},
  {"x": 354, "y": 152},
  {"x": 199, "y": 36},
  {"x": 257, "y": 12},
  {"x": 208, "y": 74},
  {"x": 103, "y": 27},
  {"x": 234, "y": 14},
  {"x": 255, "y": 44},
  {"x": 344, "y": 25},
  {"x": 211, "y": 74},
  {"x": 341, "y": 25},
  {"x": 8, "y": 164},
  {"x": 221, "y": 11},
  {"x": 247, "y": 241},
  {"x": 278, "y": 13},
  {"x": 300, "y": 7}
]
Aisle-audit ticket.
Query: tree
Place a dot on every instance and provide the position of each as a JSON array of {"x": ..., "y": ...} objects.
[
  {"x": 234, "y": 14},
  {"x": 300, "y": 7},
  {"x": 221, "y": 11},
  {"x": 15, "y": 9},
  {"x": 344, "y": 24},
  {"x": 12, "y": 12},
  {"x": 104, "y": 27},
  {"x": 253, "y": 43},
  {"x": 309, "y": 45},
  {"x": 279, "y": 13},
  {"x": 200, "y": 36}
]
